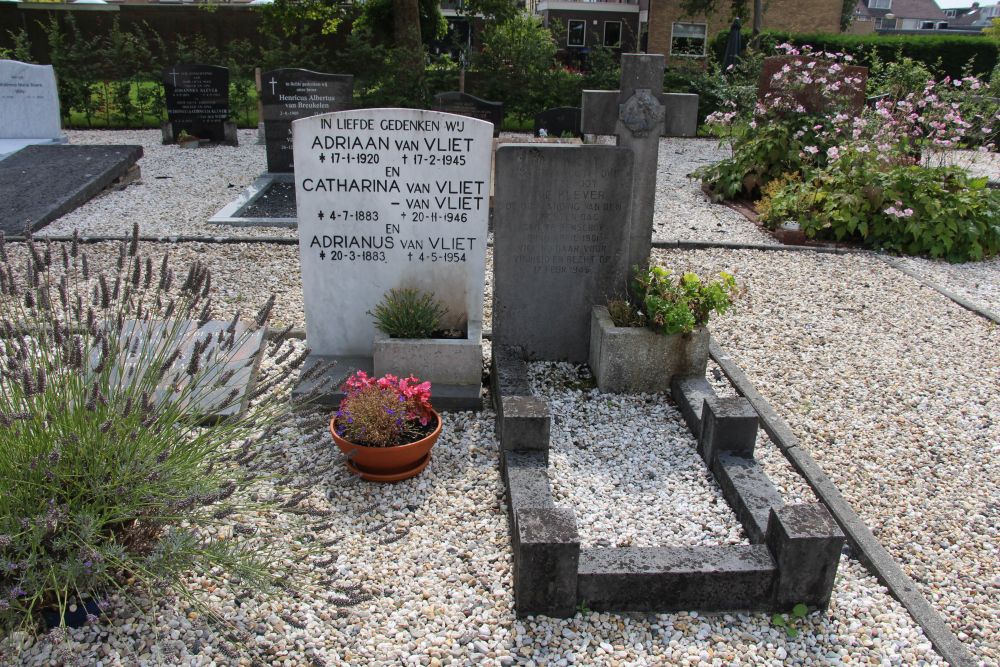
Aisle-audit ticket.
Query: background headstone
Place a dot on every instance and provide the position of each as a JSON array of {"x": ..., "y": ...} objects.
[
  {"x": 389, "y": 198},
  {"x": 464, "y": 104},
  {"x": 197, "y": 98},
  {"x": 560, "y": 244},
  {"x": 289, "y": 94},
  {"x": 850, "y": 98},
  {"x": 29, "y": 106},
  {"x": 558, "y": 121}
]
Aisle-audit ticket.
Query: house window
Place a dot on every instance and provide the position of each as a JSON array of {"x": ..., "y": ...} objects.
[
  {"x": 927, "y": 25},
  {"x": 576, "y": 33},
  {"x": 880, "y": 4},
  {"x": 885, "y": 24},
  {"x": 688, "y": 40},
  {"x": 613, "y": 33}
]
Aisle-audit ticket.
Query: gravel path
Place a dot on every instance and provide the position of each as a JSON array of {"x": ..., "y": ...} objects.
[
  {"x": 978, "y": 282},
  {"x": 893, "y": 390},
  {"x": 179, "y": 191}
]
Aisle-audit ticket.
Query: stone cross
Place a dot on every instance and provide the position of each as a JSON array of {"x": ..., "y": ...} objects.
[
  {"x": 635, "y": 114},
  {"x": 173, "y": 73},
  {"x": 273, "y": 83}
]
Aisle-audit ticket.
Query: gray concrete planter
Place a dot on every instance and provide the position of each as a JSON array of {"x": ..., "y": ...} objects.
[
  {"x": 439, "y": 360},
  {"x": 637, "y": 359}
]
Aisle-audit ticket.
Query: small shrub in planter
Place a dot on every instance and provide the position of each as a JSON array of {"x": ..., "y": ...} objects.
[
  {"x": 640, "y": 348},
  {"x": 409, "y": 339}
]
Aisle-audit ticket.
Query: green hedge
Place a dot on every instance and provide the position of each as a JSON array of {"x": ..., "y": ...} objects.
[{"x": 953, "y": 51}]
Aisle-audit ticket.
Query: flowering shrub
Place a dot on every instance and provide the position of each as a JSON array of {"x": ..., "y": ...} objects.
[
  {"x": 107, "y": 473},
  {"x": 384, "y": 412},
  {"x": 848, "y": 175},
  {"x": 672, "y": 306}
]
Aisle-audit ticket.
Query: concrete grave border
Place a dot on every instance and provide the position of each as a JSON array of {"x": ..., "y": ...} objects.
[
  {"x": 793, "y": 553},
  {"x": 229, "y": 214}
]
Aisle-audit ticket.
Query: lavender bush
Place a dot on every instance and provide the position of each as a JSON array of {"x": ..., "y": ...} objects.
[{"x": 109, "y": 473}]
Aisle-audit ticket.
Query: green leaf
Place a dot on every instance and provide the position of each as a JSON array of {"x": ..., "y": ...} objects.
[
  {"x": 779, "y": 621},
  {"x": 800, "y": 611}
]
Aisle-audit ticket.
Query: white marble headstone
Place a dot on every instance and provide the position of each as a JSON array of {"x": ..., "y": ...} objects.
[
  {"x": 29, "y": 101},
  {"x": 389, "y": 198}
]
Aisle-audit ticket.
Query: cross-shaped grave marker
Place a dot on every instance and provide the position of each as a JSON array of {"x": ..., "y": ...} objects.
[
  {"x": 635, "y": 114},
  {"x": 273, "y": 83}
]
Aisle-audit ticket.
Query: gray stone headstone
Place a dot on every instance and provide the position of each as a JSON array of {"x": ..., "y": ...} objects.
[
  {"x": 561, "y": 233},
  {"x": 289, "y": 94},
  {"x": 389, "y": 198},
  {"x": 29, "y": 106}
]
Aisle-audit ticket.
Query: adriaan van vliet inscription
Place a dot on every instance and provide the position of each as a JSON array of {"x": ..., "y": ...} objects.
[{"x": 389, "y": 198}]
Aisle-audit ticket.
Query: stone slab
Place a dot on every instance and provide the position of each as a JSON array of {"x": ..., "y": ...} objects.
[
  {"x": 527, "y": 478},
  {"x": 210, "y": 398},
  {"x": 690, "y": 395},
  {"x": 806, "y": 543},
  {"x": 250, "y": 210},
  {"x": 546, "y": 558},
  {"x": 29, "y": 102},
  {"x": 560, "y": 244},
  {"x": 508, "y": 373},
  {"x": 749, "y": 492},
  {"x": 389, "y": 198},
  {"x": 524, "y": 424},
  {"x": 323, "y": 388},
  {"x": 10, "y": 146},
  {"x": 728, "y": 424},
  {"x": 41, "y": 183},
  {"x": 197, "y": 100},
  {"x": 289, "y": 94},
  {"x": 471, "y": 106},
  {"x": 663, "y": 579}
]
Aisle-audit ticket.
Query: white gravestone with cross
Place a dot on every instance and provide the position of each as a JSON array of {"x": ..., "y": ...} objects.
[{"x": 391, "y": 198}]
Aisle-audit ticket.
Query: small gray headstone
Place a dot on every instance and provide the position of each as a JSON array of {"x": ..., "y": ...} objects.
[
  {"x": 561, "y": 244},
  {"x": 29, "y": 106},
  {"x": 464, "y": 104}
]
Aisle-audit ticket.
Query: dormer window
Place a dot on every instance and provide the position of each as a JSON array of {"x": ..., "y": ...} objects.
[{"x": 880, "y": 4}]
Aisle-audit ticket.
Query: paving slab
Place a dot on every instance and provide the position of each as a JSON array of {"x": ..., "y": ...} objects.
[{"x": 41, "y": 183}]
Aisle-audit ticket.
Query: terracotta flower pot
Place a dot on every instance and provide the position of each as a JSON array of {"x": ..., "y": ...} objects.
[{"x": 388, "y": 464}]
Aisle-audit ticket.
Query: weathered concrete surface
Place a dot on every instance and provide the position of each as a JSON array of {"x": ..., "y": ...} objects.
[
  {"x": 639, "y": 360},
  {"x": 806, "y": 543},
  {"x": 441, "y": 361},
  {"x": 690, "y": 395},
  {"x": 727, "y": 425},
  {"x": 546, "y": 557},
  {"x": 524, "y": 424},
  {"x": 716, "y": 578},
  {"x": 748, "y": 490},
  {"x": 41, "y": 183}
]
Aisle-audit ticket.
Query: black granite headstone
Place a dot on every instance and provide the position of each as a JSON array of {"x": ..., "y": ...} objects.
[
  {"x": 469, "y": 105},
  {"x": 558, "y": 122},
  {"x": 197, "y": 100},
  {"x": 289, "y": 94}
]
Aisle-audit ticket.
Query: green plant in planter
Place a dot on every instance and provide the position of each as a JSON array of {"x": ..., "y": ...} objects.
[
  {"x": 408, "y": 313},
  {"x": 680, "y": 306}
]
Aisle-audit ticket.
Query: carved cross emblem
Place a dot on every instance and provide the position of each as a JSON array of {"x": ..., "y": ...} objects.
[{"x": 642, "y": 113}]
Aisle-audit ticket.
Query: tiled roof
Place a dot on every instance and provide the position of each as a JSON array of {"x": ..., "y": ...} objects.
[{"x": 905, "y": 9}]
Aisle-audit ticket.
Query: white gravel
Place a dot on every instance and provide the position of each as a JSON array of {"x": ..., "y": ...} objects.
[
  {"x": 627, "y": 466},
  {"x": 891, "y": 387},
  {"x": 893, "y": 390},
  {"x": 181, "y": 188}
]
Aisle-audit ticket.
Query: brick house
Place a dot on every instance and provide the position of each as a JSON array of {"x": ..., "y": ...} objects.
[
  {"x": 581, "y": 26},
  {"x": 902, "y": 14},
  {"x": 684, "y": 38}
]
